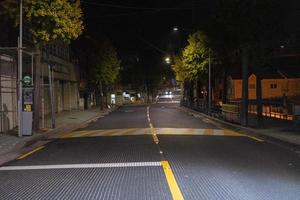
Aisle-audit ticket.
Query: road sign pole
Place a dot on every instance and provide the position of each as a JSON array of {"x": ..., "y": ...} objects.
[{"x": 20, "y": 42}]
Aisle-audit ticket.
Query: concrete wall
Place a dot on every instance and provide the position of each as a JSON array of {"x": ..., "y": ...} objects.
[
  {"x": 8, "y": 100},
  {"x": 65, "y": 89},
  {"x": 8, "y": 96}
]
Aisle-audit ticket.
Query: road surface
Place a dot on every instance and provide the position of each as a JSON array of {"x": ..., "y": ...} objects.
[{"x": 153, "y": 152}]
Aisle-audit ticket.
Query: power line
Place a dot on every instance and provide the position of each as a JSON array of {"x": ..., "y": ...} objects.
[
  {"x": 127, "y": 14},
  {"x": 130, "y": 7}
]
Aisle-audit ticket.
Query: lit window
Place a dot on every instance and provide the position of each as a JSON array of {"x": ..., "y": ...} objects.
[{"x": 273, "y": 85}]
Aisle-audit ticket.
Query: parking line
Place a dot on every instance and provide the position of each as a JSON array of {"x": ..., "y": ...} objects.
[
  {"x": 30, "y": 152},
  {"x": 174, "y": 189}
]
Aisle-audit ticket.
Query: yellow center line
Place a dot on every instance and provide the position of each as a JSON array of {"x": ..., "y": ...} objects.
[
  {"x": 30, "y": 152},
  {"x": 155, "y": 138},
  {"x": 173, "y": 186}
]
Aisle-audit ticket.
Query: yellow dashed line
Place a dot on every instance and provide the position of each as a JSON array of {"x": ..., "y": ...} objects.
[
  {"x": 173, "y": 186},
  {"x": 155, "y": 138},
  {"x": 30, "y": 152}
]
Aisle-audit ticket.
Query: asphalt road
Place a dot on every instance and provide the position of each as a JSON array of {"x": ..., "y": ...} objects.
[{"x": 154, "y": 152}]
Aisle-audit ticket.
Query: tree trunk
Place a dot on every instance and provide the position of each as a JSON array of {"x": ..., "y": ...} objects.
[
  {"x": 191, "y": 93},
  {"x": 259, "y": 100},
  {"x": 106, "y": 100},
  {"x": 182, "y": 93},
  {"x": 37, "y": 74},
  {"x": 244, "y": 104},
  {"x": 147, "y": 91},
  {"x": 101, "y": 96},
  {"x": 185, "y": 93},
  {"x": 225, "y": 87}
]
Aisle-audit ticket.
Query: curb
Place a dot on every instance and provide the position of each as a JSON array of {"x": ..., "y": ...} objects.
[
  {"x": 245, "y": 130},
  {"x": 50, "y": 135}
]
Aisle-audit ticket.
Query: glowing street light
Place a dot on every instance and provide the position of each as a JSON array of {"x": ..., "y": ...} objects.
[
  {"x": 168, "y": 60},
  {"x": 175, "y": 29}
]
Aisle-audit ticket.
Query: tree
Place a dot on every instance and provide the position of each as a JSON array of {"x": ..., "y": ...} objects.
[
  {"x": 195, "y": 55},
  {"x": 249, "y": 30},
  {"x": 179, "y": 68},
  {"x": 49, "y": 21},
  {"x": 191, "y": 66},
  {"x": 106, "y": 69}
]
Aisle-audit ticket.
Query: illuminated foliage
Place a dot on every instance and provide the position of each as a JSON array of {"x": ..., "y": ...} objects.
[
  {"x": 194, "y": 59},
  {"x": 55, "y": 20},
  {"x": 107, "y": 66}
]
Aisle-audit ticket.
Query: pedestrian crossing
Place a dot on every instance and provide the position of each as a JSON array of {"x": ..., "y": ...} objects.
[{"x": 149, "y": 131}]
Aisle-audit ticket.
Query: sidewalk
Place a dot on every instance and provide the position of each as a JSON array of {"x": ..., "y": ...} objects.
[
  {"x": 283, "y": 130},
  {"x": 10, "y": 144}
]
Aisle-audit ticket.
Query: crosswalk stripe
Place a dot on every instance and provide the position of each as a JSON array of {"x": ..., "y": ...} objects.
[
  {"x": 83, "y": 166},
  {"x": 218, "y": 132},
  {"x": 149, "y": 131},
  {"x": 208, "y": 132}
]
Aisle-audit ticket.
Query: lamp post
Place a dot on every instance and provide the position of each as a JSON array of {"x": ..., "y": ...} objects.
[
  {"x": 20, "y": 43},
  {"x": 209, "y": 82}
]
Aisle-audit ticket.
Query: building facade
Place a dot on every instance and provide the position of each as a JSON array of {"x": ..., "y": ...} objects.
[
  {"x": 271, "y": 87},
  {"x": 64, "y": 78}
]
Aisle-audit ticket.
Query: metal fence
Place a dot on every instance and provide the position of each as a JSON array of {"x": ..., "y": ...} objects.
[
  {"x": 275, "y": 110},
  {"x": 270, "y": 109}
]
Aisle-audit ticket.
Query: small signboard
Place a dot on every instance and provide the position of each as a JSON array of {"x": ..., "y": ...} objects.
[{"x": 27, "y": 80}]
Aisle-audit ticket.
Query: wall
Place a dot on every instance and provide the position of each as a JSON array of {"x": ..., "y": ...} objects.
[{"x": 8, "y": 96}]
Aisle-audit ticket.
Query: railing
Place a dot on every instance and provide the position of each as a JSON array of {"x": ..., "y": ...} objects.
[
  {"x": 274, "y": 110},
  {"x": 231, "y": 111}
]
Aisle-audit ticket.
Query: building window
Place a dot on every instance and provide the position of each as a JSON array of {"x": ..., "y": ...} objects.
[
  {"x": 251, "y": 86},
  {"x": 273, "y": 86}
]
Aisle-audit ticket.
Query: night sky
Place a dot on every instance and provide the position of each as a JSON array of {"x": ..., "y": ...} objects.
[{"x": 140, "y": 25}]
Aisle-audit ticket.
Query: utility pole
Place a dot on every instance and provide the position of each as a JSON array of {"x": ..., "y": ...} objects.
[
  {"x": 51, "y": 82},
  {"x": 209, "y": 82},
  {"x": 20, "y": 42}
]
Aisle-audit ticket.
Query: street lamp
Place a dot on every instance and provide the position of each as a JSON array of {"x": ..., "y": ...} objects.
[
  {"x": 175, "y": 29},
  {"x": 168, "y": 60}
]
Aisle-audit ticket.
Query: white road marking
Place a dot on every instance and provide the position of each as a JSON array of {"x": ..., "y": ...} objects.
[{"x": 82, "y": 166}]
